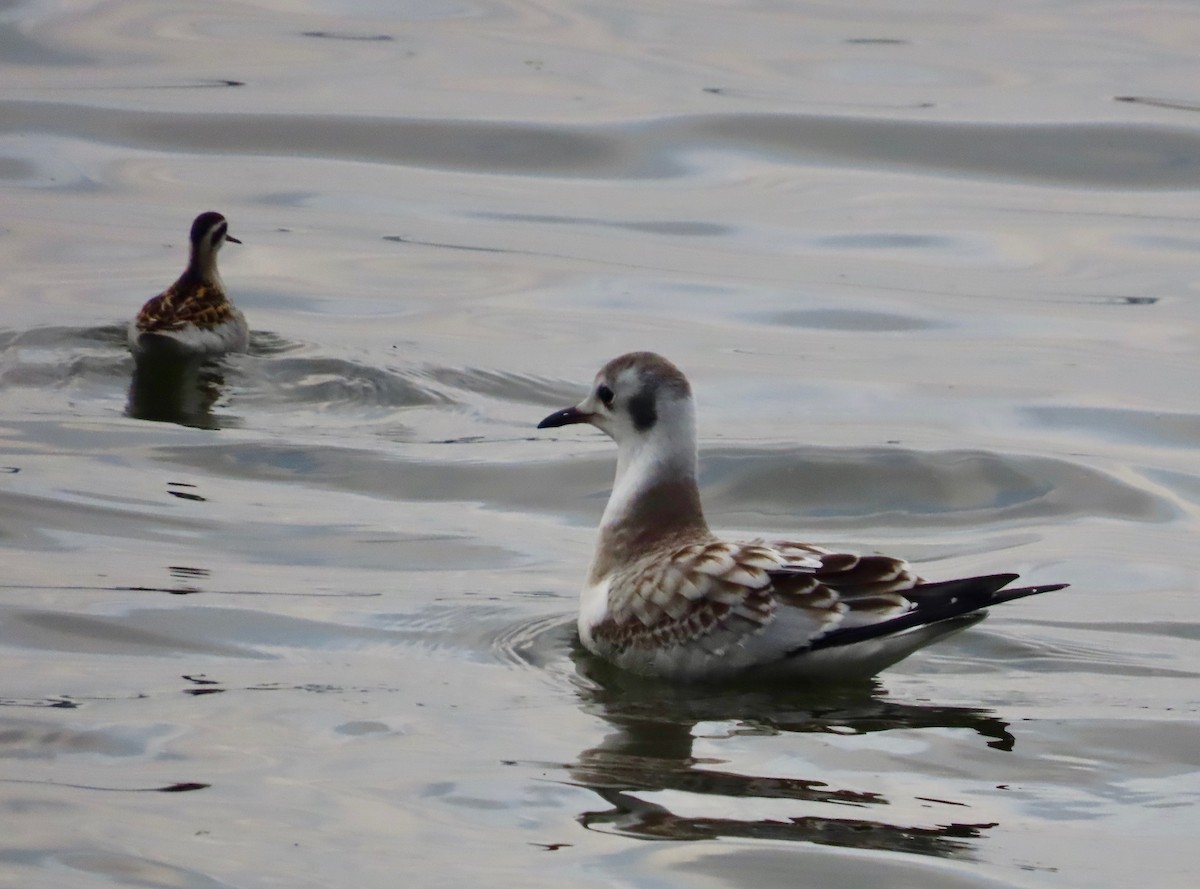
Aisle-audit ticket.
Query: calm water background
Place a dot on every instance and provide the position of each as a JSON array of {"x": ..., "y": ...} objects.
[{"x": 932, "y": 268}]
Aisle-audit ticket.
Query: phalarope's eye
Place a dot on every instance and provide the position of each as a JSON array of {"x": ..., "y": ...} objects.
[{"x": 605, "y": 395}]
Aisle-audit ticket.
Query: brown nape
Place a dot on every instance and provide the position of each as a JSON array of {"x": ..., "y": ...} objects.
[
  {"x": 654, "y": 368},
  {"x": 665, "y": 514}
]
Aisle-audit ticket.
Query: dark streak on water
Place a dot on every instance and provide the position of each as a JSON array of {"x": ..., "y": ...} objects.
[
  {"x": 1174, "y": 104},
  {"x": 334, "y": 35}
]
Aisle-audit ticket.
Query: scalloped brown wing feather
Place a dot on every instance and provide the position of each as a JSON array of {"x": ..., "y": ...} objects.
[
  {"x": 714, "y": 593},
  {"x": 204, "y": 305},
  {"x": 718, "y": 593},
  {"x": 870, "y": 588}
]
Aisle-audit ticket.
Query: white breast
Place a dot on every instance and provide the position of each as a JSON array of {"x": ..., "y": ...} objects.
[{"x": 593, "y": 609}]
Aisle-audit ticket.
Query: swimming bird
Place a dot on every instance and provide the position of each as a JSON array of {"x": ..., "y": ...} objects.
[
  {"x": 666, "y": 597},
  {"x": 193, "y": 317}
]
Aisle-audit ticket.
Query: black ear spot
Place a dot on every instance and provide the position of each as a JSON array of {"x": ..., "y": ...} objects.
[{"x": 641, "y": 408}]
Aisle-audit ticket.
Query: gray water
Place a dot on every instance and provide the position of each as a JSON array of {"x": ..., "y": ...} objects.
[{"x": 931, "y": 269}]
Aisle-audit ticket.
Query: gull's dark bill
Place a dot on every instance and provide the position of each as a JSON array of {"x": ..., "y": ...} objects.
[{"x": 566, "y": 417}]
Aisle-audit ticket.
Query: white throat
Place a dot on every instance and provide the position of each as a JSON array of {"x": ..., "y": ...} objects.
[
  {"x": 203, "y": 264},
  {"x": 665, "y": 453}
]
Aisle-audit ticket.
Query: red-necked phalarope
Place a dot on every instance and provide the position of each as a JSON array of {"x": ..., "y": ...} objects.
[{"x": 194, "y": 316}]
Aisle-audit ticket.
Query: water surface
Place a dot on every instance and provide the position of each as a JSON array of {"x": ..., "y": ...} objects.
[{"x": 304, "y": 616}]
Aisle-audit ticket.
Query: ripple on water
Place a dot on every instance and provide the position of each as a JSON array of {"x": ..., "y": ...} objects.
[
  {"x": 835, "y": 487},
  {"x": 495, "y": 146},
  {"x": 132, "y": 870},
  {"x": 685, "y": 228},
  {"x": 850, "y": 320},
  {"x": 39, "y": 739},
  {"x": 58, "y": 338},
  {"x": 776, "y": 869},
  {"x": 16, "y": 170},
  {"x": 941, "y": 487},
  {"x": 217, "y": 393},
  {"x": 505, "y": 385},
  {"x": 542, "y": 643},
  {"x": 488, "y": 633},
  {"x": 131, "y": 635},
  {"x": 329, "y": 383},
  {"x": 1139, "y": 651},
  {"x": 1099, "y": 155},
  {"x": 471, "y": 630},
  {"x": 1182, "y": 484},
  {"x": 1160, "y": 429},
  {"x": 47, "y": 368}
]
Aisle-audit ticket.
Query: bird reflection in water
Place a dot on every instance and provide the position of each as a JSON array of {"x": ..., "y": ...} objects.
[
  {"x": 650, "y": 750},
  {"x": 169, "y": 388}
]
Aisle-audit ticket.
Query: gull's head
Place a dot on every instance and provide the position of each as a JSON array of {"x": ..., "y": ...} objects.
[
  {"x": 209, "y": 231},
  {"x": 636, "y": 399}
]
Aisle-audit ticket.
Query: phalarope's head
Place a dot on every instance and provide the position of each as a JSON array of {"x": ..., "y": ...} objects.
[
  {"x": 209, "y": 231},
  {"x": 636, "y": 398}
]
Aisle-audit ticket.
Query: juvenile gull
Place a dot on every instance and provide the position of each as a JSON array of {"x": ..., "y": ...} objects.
[
  {"x": 665, "y": 597},
  {"x": 193, "y": 317}
]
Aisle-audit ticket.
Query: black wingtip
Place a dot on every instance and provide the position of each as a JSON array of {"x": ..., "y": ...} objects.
[
  {"x": 936, "y": 602},
  {"x": 1022, "y": 592}
]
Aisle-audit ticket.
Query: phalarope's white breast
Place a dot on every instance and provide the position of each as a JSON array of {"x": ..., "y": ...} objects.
[
  {"x": 194, "y": 316},
  {"x": 665, "y": 597}
]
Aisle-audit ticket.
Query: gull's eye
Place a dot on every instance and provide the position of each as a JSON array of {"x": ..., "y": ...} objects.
[{"x": 605, "y": 395}]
